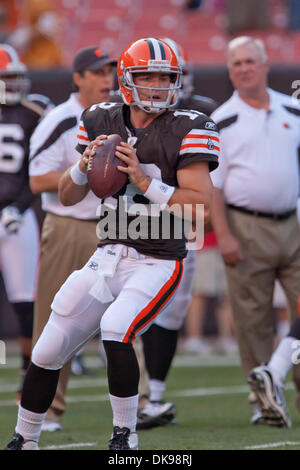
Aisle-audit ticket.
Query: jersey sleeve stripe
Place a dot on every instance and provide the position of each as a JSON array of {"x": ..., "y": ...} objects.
[
  {"x": 201, "y": 136},
  {"x": 82, "y": 137},
  {"x": 206, "y": 140},
  {"x": 194, "y": 148}
]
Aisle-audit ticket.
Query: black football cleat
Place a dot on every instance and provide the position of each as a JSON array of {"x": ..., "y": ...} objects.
[
  {"x": 123, "y": 439},
  {"x": 19, "y": 443},
  {"x": 156, "y": 414}
]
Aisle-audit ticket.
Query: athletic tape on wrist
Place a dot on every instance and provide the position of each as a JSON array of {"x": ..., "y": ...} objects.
[
  {"x": 77, "y": 176},
  {"x": 159, "y": 192}
]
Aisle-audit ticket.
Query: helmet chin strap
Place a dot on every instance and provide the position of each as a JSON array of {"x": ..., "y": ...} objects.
[{"x": 149, "y": 109}]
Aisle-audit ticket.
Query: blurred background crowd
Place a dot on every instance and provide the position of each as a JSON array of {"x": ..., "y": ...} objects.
[{"x": 47, "y": 34}]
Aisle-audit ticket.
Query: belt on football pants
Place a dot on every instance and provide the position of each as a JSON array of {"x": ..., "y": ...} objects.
[
  {"x": 108, "y": 261},
  {"x": 268, "y": 215},
  {"x": 129, "y": 252}
]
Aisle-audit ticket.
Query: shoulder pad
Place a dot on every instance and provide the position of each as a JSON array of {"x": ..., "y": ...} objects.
[
  {"x": 99, "y": 111},
  {"x": 188, "y": 119},
  {"x": 102, "y": 107},
  {"x": 40, "y": 104}
]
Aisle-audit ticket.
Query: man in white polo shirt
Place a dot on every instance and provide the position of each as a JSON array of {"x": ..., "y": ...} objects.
[
  {"x": 255, "y": 199},
  {"x": 69, "y": 233}
]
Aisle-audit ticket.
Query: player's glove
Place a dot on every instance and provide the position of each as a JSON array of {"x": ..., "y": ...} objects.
[{"x": 11, "y": 218}]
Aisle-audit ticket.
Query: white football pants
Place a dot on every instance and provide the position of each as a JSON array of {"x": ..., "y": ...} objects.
[
  {"x": 119, "y": 292},
  {"x": 19, "y": 259},
  {"x": 174, "y": 314}
]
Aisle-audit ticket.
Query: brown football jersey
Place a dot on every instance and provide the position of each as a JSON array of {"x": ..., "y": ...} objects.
[
  {"x": 198, "y": 103},
  {"x": 17, "y": 123},
  {"x": 169, "y": 143}
]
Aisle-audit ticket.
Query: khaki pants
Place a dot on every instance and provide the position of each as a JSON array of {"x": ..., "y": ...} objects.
[
  {"x": 66, "y": 245},
  {"x": 271, "y": 249}
]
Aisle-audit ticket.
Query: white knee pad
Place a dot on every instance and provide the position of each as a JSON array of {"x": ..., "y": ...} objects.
[
  {"x": 48, "y": 352},
  {"x": 73, "y": 294}
]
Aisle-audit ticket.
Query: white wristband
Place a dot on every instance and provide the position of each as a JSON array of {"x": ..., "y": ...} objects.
[
  {"x": 159, "y": 192},
  {"x": 77, "y": 175}
]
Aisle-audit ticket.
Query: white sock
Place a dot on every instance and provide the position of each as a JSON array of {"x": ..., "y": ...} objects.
[
  {"x": 157, "y": 388},
  {"x": 281, "y": 360},
  {"x": 283, "y": 328},
  {"x": 29, "y": 424},
  {"x": 124, "y": 411}
]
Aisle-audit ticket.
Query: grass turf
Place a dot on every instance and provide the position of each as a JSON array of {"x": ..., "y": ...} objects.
[{"x": 213, "y": 415}]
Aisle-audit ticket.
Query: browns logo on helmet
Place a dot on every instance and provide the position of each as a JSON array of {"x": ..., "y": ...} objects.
[{"x": 148, "y": 55}]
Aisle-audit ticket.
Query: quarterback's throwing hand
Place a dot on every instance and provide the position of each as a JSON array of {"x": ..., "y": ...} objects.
[{"x": 136, "y": 175}]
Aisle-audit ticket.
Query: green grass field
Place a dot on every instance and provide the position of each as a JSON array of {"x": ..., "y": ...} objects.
[{"x": 210, "y": 395}]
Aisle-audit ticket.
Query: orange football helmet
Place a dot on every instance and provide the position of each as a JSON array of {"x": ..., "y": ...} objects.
[
  {"x": 148, "y": 55},
  {"x": 13, "y": 74},
  {"x": 187, "y": 79}
]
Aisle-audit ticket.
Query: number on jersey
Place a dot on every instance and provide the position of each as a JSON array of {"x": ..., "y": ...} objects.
[{"x": 11, "y": 153}]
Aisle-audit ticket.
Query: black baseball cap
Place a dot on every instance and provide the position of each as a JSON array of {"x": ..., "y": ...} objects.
[{"x": 91, "y": 58}]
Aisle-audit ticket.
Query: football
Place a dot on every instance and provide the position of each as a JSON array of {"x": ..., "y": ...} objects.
[{"x": 103, "y": 176}]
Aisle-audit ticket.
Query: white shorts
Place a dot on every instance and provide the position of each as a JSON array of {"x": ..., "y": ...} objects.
[
  {"x": 19, "y": 259},
  {"x": 119, "y": 292},
  {"x": 173, "y": 316}
]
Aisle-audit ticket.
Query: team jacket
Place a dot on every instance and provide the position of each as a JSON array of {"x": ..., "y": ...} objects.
[{"x": 169, "y": 143}]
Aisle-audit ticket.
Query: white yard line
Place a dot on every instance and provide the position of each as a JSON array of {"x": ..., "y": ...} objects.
[
  {"x": 202, "y": 392},
  {"x": 227, "y": 390},
  {"x": 86, "y": 398},
  {"x": 194, "y": 392},
  {"x": 180, "y": 360},
  {"x": 69, "y": 446},
  {"x": 74, "y": 384},
  {"x": 272, "y": 444}
]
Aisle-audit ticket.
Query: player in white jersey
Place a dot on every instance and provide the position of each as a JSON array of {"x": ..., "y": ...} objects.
[
  {"x": 160, "y": 341},
  {"x": 19, "y": 231}
]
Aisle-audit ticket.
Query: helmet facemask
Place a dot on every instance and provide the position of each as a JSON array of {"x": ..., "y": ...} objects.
[
  {"x": 152, "y": 106},
  {"x": 14, "y": 83},
  {"x": 16, "y": 87}
]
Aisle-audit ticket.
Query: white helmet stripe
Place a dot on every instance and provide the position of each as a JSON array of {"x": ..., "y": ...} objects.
[{"x": 156, "y": 49}]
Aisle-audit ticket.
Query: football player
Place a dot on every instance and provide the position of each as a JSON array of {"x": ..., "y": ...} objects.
[
  {"x": 19, "y": 232},
  {"x": 160, "y": 340},
  {"x": 131, "y": 277},
  {"x": 268, "y": 381}
]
